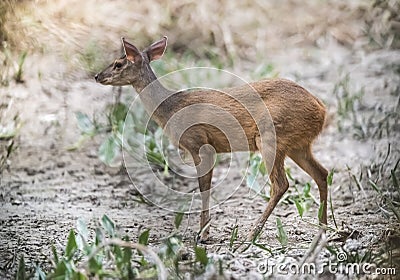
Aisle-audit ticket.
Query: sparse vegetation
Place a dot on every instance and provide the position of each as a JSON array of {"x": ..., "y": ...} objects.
[
  {"x": 108, "y": 255},
  {"x": 9, "y": 128},
  {"x": 48, "y": 189},
  {"x": 123, "y": 129},
  {"x": 382, "y": 19},
  {"x": 12, "y": 69},
  {"x": 348, "y": 104}
]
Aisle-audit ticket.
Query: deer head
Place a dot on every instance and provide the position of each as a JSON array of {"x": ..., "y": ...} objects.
[{"x": 133, "y": 68}]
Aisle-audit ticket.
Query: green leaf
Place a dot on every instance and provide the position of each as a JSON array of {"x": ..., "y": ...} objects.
[
  {"x": 80, "y": 276},
  {"x": 118, "y": 113},
  {"x": 201, "y": 255},
  {"x": 262, "y": 168},
  {"x": 332, "y": 210},
  {"x": 108, "y": 225},
  {"x": 60, "y": 272},
  {"x": 71, "y": 245},
  {"x": 178, "y": 219},
  {"x": 85, "y": 124},
  {"x": 321, "y": 210},
  {"x": 21, "y": 272},
  {"x": 83, "y": 233},
  {"x": 329, "y": 179},
  {"x": 55, "y": 255},
  {"x": 282, "y": 236},
  {"x": 234, "y": 236},
  {"x": 19, "y": 72},
  {"x": 127, "y": 252},
  {"x": 299, "y": 207},
  {"x": 375, "y": 187},
  {"x": 109, "y": 150},
  {"x": 95, "y": 264},
  {"x": 306, "y": 190},
  {"x": 144, "y": 237},
  {"x": 261, "y": 246}
]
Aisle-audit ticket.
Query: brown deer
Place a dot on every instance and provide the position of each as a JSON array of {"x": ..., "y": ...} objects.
[{"x": 297, "y": 119}]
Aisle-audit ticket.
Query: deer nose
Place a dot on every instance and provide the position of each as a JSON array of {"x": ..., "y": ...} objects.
[{"x": 96, "y": 77}]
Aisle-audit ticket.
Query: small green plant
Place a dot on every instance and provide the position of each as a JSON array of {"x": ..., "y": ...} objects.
[
  {"x": 348, "y": 103},
  {"x": 256, "y": 168},
  {"x": 103, "y": 253},
  {"x": 118, "y": 119},
  {"x": 12, "y": 68},
  {"x": 234, "y": 236},
  {"x": 330, "y": 182},
  {"x": 106, "y": 256},
  {"x": 387, "y": 198},
  {"x": 19, "y": 68},
  {"x": 281, "y": 233},
  {"x": 303, "y": 200},
  {"x": 201, "y": 255}
]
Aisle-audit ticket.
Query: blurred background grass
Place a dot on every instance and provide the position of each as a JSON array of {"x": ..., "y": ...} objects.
[{"x": 223, "y": 30}]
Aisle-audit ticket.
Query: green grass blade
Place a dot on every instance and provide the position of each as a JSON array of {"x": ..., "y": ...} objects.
[
  {"x": 178, "y": 219},
  {"x": 21, "y": 272},
  {"x": 72, "y": 246},
  {"x": 282, "y": 236},
  {"x": 144, "y": 237},
  {"x": 234, "y": 236},
  {"x": 201, "y": 255}
]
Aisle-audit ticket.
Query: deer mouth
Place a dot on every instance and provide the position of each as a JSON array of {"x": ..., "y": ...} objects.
[{"x": 102, "y": 80}]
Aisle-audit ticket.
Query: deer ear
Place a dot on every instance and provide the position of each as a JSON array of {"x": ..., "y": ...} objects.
[
  {"x": 157, "y": 49},
  {"x": 131, "y": 52}
]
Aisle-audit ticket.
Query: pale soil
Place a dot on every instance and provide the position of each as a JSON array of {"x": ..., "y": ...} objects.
[{"x": 47, "y": 188}]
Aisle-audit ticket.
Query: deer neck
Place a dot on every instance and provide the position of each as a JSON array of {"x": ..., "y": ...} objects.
[{"x": 152, "y": 94}]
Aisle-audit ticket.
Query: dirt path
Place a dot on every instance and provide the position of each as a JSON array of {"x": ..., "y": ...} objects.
[{"x": 48, "y": 188}]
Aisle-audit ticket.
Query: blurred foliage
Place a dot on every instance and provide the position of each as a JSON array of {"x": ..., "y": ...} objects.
[
  {"x": 383, "y": 23},
  {"x": 9, "y": 129},
  {"x": 6, "y": 8},
  {"x": 108, "y": 255},
  {"x": 225, "y": 31},
  {"x": 92, "y": 58},
  {"x": 122, "y": 122},
  {"x": 12, "y": 66}
]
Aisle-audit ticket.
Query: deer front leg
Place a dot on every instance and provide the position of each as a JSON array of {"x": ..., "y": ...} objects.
[
  {"x": 279, "y": 185},
  {"x": 274, "y": 161},
  {"x": 204, "y": 165},
  {"x": 205, "y": 186}
]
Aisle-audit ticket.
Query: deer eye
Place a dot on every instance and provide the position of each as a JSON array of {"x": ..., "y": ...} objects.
[{"x": 117, "y": 65}]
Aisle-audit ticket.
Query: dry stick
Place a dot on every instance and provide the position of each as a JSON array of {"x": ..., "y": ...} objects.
[
  {"x": 190, "y": 209},
  {"x": 162, "y": 272},
  {"x": 359, "y": 185},
  {"x": 314, "y": 250},
  {"x": 383, "y": 164},
  {"x": 313, "y": 246}
]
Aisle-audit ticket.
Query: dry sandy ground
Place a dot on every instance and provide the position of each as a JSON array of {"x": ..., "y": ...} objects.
[{"x": 47, "y": 188}]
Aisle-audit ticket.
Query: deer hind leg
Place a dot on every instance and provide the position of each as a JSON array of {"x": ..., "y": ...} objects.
[
  {"x": 279, "y": 185},
  {"x": 204, "y": 161},
  {"x": 305, "y": 159}
]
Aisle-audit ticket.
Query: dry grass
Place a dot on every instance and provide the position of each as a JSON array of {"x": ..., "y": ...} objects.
[
  {"x": 383, "y": 23},
  {"x": 230, "y": 28}
]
